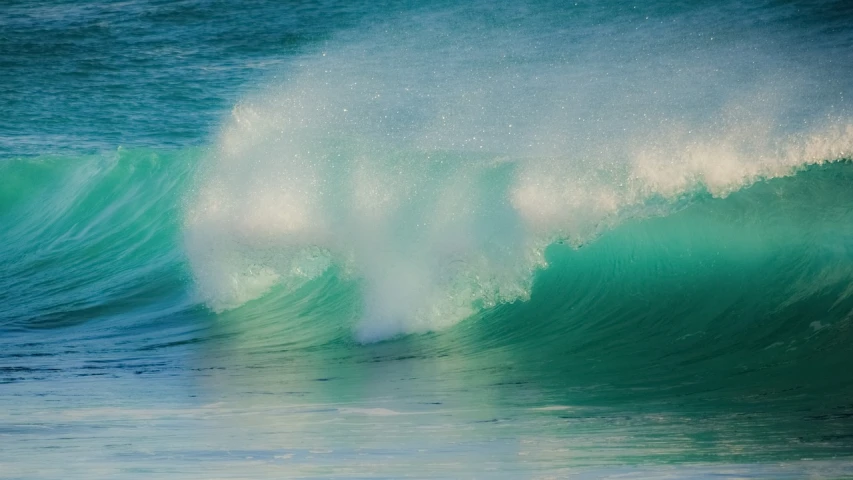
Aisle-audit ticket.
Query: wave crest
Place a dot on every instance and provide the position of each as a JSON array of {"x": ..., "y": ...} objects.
[{"x": 440, "y": 190}]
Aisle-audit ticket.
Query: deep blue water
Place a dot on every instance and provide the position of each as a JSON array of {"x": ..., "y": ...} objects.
[{"x": 426, "y": 240}]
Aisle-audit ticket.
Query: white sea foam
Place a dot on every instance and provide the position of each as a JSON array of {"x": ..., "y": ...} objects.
[{"x": 435, "y": 166}]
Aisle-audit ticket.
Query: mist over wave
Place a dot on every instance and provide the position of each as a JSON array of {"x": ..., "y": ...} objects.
[{"x": 433, "y": 159}]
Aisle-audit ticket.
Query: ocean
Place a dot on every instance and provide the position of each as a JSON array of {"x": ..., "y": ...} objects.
[{"x": 434, "y": 239}]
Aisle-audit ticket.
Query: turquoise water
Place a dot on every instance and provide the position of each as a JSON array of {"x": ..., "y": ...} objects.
[{"x": 425, "y": 240}]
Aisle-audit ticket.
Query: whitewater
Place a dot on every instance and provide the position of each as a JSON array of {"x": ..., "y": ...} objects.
[{"x": 426, "y": 240}]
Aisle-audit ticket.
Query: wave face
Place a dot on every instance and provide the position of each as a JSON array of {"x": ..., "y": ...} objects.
[
  {"x": 588, "y": 235},
  {"x": 91, "y": 237},
  {"x": 751, "y": 294},
  {"x": 745, "y": 298}
]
